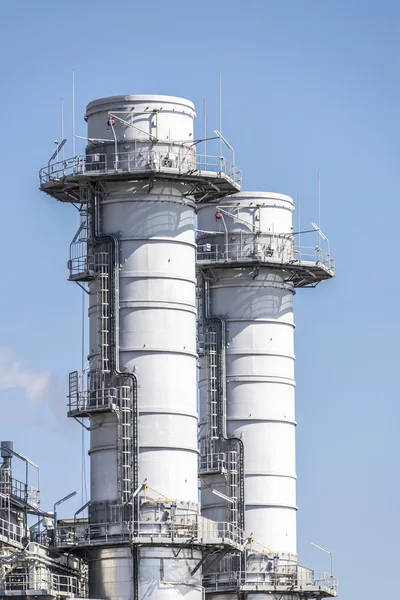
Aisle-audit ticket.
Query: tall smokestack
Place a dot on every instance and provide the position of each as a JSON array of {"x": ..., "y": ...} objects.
[
  {"x": 248, "y": 271},
  {"x": 136, "y": 188}
]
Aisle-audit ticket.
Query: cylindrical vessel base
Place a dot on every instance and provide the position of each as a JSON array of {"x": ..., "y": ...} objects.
[{"x": 163, "y": 574}]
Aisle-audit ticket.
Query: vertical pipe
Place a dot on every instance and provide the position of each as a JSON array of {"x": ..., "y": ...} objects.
[
  {"x": 115, "y": 141},
  {"x": 83, "y": 474},
  {"x": 226, "y": 253},
  {"x": 9, "y": 513},
  {"x": 83, "y": 333}
]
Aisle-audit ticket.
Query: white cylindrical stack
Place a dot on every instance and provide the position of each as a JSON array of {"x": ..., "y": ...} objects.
[
  {"x": 153, "y": 223},
  {"x": 157, "y": 325},
  {"x": 132, "y": 132},
  {"x": 138, "y": 188},
  {"x": 255, "y": 301}
]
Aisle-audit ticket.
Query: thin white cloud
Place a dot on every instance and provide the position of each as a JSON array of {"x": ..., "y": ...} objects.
[
  {"x": 14, "y": 374},
  {"x": 30, "y": 397}
]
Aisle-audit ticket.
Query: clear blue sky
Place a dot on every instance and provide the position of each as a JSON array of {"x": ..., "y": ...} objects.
[{"x": 307, "y": 84}]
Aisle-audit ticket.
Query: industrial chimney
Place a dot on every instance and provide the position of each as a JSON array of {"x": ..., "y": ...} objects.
[{"x": 137, "y": 189}]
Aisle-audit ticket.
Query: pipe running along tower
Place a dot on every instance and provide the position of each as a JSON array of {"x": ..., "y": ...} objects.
[{"x": 137, "y": 189}]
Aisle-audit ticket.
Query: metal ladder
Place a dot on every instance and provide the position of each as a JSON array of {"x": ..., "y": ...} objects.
[
  {"x": 233, "y": 485},
  {"x": 200, "y": 342},
  {"x": 211, "y": 350},
  {"x": 217, "y": 453},
  {"x": 123, "y": 393},
  {"x": 124, "y": 443},
  {"x": 103, "y": 309}
]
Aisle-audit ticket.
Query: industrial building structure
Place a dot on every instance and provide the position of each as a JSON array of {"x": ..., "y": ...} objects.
[
  {"x": 28, "y": 567},
  {"x": 171, "y": 293}
]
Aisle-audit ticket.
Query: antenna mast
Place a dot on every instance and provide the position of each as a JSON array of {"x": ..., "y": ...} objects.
[
  {"x": 73, "y": 112},
  {"x": 220, "y": 109}
]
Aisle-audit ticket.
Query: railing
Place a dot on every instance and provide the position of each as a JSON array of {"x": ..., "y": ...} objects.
[
  {"x": 314, "y": 254},
  {"x": 10, "y": 531},
  {"x": 198, "y": 530},
  {"x": 80, "y": 264},
  {"x": 180, "y": 160},
  {"x": 100, "y": 399},
  {"x": 250, "y": 248},
  {"x": 265, "y": 249},
  {"x": 19, "y": 489},
  {"x": 218, "y": 164},
  {"x": 291, "y": 576},
  {"x": 212, "y": 462},
  {"x": 64, "y": 585},
  {"x": 18, "y": 581},
  {"x": 25, "y": 492}
]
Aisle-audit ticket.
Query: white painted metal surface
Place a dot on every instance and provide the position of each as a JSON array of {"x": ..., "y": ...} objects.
[
  {"x": 140, "y": 117},
  {"x": 162, "y": 575},
  {"x": 156, "y": 321},
  {"x": 137, "y": 186},
  {"x": 126, "y": 128},
  {"x": 156, "y": 334},
  {"x": 256, "y": 305}
]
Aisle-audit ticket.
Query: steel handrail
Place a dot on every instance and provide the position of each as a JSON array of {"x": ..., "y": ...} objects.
[
  {"x": 285, "y": 253},
  {"x": 139, "y": 160},
  {"x": 6, "y": 530},
  {"x": 50, "y": 581},
  {"x": 299, "y": 577},
  {"x": 196, "y": 528}
]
